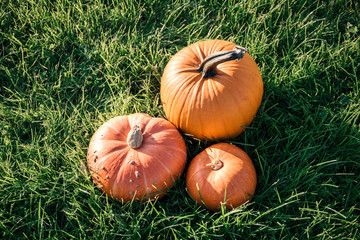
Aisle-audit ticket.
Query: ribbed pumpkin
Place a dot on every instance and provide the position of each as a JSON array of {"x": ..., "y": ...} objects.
[
  {"x": 136, "y": 157},
  {"x": 211, "y": 90},
  {"x": 221, "y": 174}
]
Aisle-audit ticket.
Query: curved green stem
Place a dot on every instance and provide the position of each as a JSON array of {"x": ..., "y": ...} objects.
[{"x": 208, "y": 65}]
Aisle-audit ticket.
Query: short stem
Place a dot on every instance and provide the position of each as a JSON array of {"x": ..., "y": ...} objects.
[
  {"x": 216, "y": 164},
  {"x": 208, "y": 65},
  {"x": 135, "y": 137}
]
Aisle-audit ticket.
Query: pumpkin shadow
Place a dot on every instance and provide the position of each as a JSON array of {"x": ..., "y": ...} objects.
[{"x": 300, "y": 139}]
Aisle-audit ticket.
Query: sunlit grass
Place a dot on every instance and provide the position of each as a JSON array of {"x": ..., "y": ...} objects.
[{"x": 68, "y": 66}]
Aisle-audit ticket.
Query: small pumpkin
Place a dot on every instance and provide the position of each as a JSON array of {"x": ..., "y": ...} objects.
[
  {"x": 136, "y": 157},
  {"x": 211, "y": 90},
  {"x": 221, "y": 174}
]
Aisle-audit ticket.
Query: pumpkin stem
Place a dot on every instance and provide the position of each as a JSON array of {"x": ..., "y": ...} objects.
[
  {"x": 135, "y": 137},
  {"x": 215, "y": 164},
  {"x": 208, "y": 65}
]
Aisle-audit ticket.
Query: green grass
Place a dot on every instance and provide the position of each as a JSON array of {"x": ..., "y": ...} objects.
[{"x": 68, "y": 66}]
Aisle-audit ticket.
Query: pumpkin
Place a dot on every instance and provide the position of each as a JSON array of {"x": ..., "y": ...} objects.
[
  {"x": 221, "y": 174},
  {"x": 136, "y": 157},
  {"x": 211, "y": 90}
]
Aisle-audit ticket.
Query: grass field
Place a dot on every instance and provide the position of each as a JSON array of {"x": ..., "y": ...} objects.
[{"x": 68, "y": 66}]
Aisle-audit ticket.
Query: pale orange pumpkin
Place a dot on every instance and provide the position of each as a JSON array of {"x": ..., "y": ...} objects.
[
  {"x": 221, "y": 174},
  {"x": 211, "y": 90},
  {"x": 136, "y": 157}
]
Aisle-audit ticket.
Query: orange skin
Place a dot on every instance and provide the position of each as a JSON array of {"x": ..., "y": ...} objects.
[
  {"x": 143, "y": 173},
  {"x": 213, "y": 108},
  {"x": 233, "y": 184}
]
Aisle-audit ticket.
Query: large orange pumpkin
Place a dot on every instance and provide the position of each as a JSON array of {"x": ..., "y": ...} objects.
[
  {"x": 136, "y": 157},
  {"x": 211, "y": 90},
  {"x": 221, "y": 174}
]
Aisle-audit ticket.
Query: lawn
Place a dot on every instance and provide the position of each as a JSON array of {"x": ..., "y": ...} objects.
[{"x": 66, "y": 67}]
